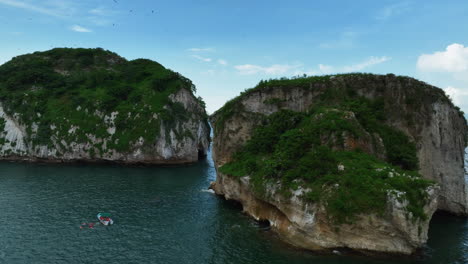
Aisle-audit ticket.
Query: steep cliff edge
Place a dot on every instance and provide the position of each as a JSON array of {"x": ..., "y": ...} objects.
[
  {"x": 91, "y": 104},
  {"x": 340, "y": 142}
]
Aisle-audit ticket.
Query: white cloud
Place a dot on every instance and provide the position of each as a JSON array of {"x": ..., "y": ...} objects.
[
  {"x": 81, "y": 29},
  {"x": 201, "y": 58},
  {"x": 274, "y": 69},
  {"x": 452, "y": 63},
  {"x": 54, "y": 8},
  {"x": 366, "y": 64},
  {"x": 103, "y": 16},
  {"x": 327, "y": 69},
  {"x": 98, "y": 11},
  {"x": 200, "y": 49},
  {"x": 453, "y": 59},
  {"x": 222, "y": 62},
  {"x": 393, "y": 10},
  {"x": 278, "y": 69},
  {"x": 67, "y": 10},
  {"x": 459, "y": 96}
]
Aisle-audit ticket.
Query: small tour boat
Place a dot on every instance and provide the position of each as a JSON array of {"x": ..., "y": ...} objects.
[{"x": 105, "y": 218}]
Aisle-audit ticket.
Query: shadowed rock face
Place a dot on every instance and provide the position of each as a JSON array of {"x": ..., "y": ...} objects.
[
  {"x": 421, "y": 111},
  {"x": 93, "y": 105}
]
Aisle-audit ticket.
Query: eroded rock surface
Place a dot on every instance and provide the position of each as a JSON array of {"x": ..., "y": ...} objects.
[
  {"x": 422, "y": 112},
  {"x": 307, "y": 225}
]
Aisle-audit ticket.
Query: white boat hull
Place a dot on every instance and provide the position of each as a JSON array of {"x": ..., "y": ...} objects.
[
  {"x": 105, "y": 222},
  {"x": 110, "y": 222}
]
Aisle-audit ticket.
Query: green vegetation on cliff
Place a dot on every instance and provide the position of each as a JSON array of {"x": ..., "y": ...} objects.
[
  {"x": 306, "y": 150},
  {"x": 288, "y": 148},
  {"x": 64, "y": 90}
]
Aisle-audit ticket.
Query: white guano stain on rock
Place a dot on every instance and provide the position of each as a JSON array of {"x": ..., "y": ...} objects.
[
  {"x": 14, "y": 135},
  {"x": 109, "y": 120}
]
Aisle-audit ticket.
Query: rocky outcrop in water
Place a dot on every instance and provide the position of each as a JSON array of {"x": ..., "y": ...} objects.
[
  {"x": 93, "y": 105},
  {"x": 307, "y": 225},
  {"x": 422, "y": 112}
]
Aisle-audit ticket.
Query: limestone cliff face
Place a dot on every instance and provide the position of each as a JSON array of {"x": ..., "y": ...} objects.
[
  {"x": 441, "y": 154},
  {"x": 421, "y": 111},
  {"x": 166, "y": 149},
  {"x": 93, "y": 105}
]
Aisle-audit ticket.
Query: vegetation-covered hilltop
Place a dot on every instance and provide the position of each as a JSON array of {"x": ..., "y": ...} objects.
[
  {"x": 306, "y": 148},
  {"x": 72, "y": 96},
  {"x": 350, "y": 160},
  {"x": 420, "y": 95}
]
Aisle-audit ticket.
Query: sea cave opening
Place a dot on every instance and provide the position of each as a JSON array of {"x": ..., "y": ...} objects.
[
  {"x": 264, "y": 224},
  {"x": 201, "y": 153},
  {"x": 446, "y": 230}
]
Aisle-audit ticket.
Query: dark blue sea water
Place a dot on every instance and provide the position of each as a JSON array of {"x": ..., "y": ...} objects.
[{"x": 162, "y": 215}]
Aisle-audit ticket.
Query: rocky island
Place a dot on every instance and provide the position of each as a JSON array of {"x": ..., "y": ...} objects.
[
  {"x": 355, "y": 161},
  {"x": 93, "y": 105}
]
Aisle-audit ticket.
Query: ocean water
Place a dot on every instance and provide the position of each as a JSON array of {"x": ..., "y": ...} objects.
[{"x": 162, "y": 215}]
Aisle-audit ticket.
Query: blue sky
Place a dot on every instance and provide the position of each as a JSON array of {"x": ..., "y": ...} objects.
[{"x": 225, "y": 46}]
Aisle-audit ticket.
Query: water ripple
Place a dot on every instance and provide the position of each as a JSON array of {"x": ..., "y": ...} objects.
[{"x": 162, "y": 215}]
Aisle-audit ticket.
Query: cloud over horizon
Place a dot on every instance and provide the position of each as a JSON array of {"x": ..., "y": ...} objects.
[
  {"x": 200, "y": 49},
  {"x": 80, "y": 29},
  {"x": 275, "y": 69},
  {"x": 453, "y": 62},
  {"x": 329, "y": 69},
  {"x": 51, "y": 8},
  {"x": 198, "y": 57},
  {"x": 73, "y": 11},
  {"x": 453, "y": 59},
  {"x": 297, "y": 69},
  {"x": 456, "y": 94}
]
